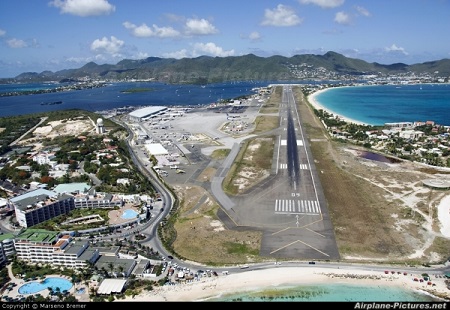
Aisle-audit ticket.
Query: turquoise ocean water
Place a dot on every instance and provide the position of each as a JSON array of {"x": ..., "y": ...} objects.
[
  {"x": 329, "y": 293},
  {"x": 377, "y": 105}
]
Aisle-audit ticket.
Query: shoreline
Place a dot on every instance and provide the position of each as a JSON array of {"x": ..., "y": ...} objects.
[
  {"x": 316, "y": 104},
  {"x": 282, "y": 278}
]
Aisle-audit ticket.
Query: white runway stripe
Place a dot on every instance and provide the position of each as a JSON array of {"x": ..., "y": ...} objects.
[
  {"x": 302, "y": 166},
  {"x": 297, "y": 206}
]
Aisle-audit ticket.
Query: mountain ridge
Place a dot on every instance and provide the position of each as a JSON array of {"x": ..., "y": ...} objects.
[{"x": 209, "y": 69}]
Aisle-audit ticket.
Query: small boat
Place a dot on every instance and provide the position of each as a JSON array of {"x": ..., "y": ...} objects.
[{"x": 51, "y": 103}]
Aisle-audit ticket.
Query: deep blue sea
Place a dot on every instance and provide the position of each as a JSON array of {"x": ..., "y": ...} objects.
[
  {"x": 374, "y": 105},
  {"x": 113, "y": 96},
  {"x": 377, "y": 105}
]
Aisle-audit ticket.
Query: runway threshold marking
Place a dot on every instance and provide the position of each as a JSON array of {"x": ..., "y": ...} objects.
[
  {"x": 301, "y": 166},
  {"x": 297, "y": 206},
  {"x": 304, "y": 243},
  {"x": 284, "y": 142}
]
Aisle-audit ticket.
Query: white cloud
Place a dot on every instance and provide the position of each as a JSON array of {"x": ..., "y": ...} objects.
[
  {"x": 145, "y": 31},
  {"x": 109, "y": 46},
  {"x": 395, "y": 49},
  {"x": 210, "y": 49},
  {"x": 200, "y": 49},
  {"x": 78, "y": 60},
  {"x": 83, "y": 7},
  {"x": 281, "y": 16},
  {"x": 254, "y": 36},
  {"x": 199, "y": 27},
  {"x": 140, "y": 55},
  {"x": 16, "y": 43},
  {"x": 2, "y": 32},
  {"x": 316, "y": 51},
  {"x": 332, "y": 31},
  {"x": 174, "y": 18},
  {"x": 342, "y": 18},
  {"x": 325, "y": 4},
  {"x": 177, "y": 54},
  {"x": 362, "y": 11}
]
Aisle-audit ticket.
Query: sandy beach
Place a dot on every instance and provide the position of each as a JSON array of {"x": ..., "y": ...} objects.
[
  {"x": 313, "y": 100},
  {"x": 256, "y": 280}
]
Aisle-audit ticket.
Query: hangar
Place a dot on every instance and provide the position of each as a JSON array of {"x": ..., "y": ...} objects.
[
  {"x": 140, "y": 114},
  {"x": 156, "y": 149}
]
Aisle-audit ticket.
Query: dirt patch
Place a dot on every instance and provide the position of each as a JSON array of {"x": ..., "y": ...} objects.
[
  {"x": 207, "y": 175},
  {"x": 64, "y": 128},
  {"x": 201, "y": 237},
  {"x": 54, "y": 129}
]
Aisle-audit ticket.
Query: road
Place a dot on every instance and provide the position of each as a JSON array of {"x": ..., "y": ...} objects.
[{"x": 43, "y": 119}]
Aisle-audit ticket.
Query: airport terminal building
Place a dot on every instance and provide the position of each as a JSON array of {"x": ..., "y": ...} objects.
[{"x": 144, "y": 113}]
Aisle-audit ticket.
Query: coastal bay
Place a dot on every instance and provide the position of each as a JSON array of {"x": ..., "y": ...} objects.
[{"x": 379, "y": 104}]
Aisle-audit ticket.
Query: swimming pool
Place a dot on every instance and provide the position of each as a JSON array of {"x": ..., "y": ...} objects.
[
  {"x": 129, "y": 214},
  {"x": 37, "y": 286}
]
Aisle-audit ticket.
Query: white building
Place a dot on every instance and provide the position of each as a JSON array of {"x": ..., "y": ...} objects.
[
  {"x": 47, "y": 247},
  {"x": 139, "y": 114},
  {"x": 100, "y": 127},
  {"x": 43, "y": 158},
  {"x": 40, "y": 205}
]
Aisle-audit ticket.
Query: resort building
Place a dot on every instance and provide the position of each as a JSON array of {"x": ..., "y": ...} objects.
[
  {"x": 3, "y": 258},
  {"x": 144, "y": 269},
  {"x": 115, "y": 266},
  {"x": 93, "y": 199},
  {"x": 7, "y": 248},
  {"x": 40, "y": 205},
  {"x": 72, "y": 188},
  {"x": 48, "y": 247}
]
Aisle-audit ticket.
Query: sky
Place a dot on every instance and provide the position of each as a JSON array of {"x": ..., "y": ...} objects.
[{"x": 40, "y": 35}]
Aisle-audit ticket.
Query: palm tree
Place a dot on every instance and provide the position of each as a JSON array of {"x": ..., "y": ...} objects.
[{"x": 111, "y": 267}]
